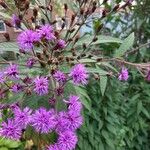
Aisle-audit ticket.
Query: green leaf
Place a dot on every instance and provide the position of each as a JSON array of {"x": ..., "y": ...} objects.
[
  {"x": 139, "y": 107},
  {"x": 145, "y": 112},
  {"x": 97, "y": 70},
  {"x": 103, "y": 84},
  {"x": 126, "y": 45},
  {"x": 83, "y": 97},
  {"x": 101, "y": 39}
]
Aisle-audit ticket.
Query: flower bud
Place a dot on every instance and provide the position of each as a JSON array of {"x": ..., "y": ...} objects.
[
  {"x": 3, "y": 4},
  {"x": 65, "y": 7},
  {"x": 6, "y": 35},
  {"x": 35, "y": 12},
  {"x": 116, "y": 8},
  {"x": 8, "y": 23}
]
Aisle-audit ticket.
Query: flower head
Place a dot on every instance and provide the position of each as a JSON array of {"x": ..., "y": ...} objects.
[
  {"x": 53, "y": 147},
  {"x": 27, "y": 39},
  {"x": 15, "y": 20},
  {"x": 23, "y": 117},
  {"x": 61, "y": 44},
  {"x": 59, "y": 76},
  {"x": 41, "y": 85},
  {"x": 67, "y": 140},
  {"x": 43, "y": 121},
  {"x": 12, "y": 71},
  {"x": 30, "y": 62},
  {"x": 16, "y": 88},
  {"x": 11, "y": 130},
  {"x": 123, "y": 75},
  {"x": 74, "y": 104},
  {"x": 46, "y": 32},
  {"x": 79, "y": 74},
  {"x": 68, "y": 121}
]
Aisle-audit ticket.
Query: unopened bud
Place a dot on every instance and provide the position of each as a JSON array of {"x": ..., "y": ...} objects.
[
  {"x": 84, "y": 46},
  {"x": 3, "y": 4},
  {"x": 6, "y": 35},
  {"x": 8, "y": 23},
  {"x": 35, "y": 12},
  {"x": 116, "y": 8},
  {"x": 94, "y": 39},
  {"x": 65, "y": 7}
]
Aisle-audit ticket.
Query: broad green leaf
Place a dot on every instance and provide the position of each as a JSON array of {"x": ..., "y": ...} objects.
[
  {"x": 146, "y": 113},
  {"x": 97, "y": 70},
  {"x": 106, "y": 64},
  {"x": 126, "y": 45},
  {"x": 101, "y": 39},
  {"x": 103, "y": 84},
  {"x": 139, "y": 107},
  {"x": 83, "y": 97}
]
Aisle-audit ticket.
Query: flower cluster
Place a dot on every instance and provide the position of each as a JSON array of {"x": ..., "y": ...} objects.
[
  {"x": 29, "y": 38},
  {"x": 45, "y": 121}
]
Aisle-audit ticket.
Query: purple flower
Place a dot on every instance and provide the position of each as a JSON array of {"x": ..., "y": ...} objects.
[
  {"x": 59, "y": 76},
  {"x": 52, "y": 101},
  {"x": 75, "y": 120},
  {"x": 43, "y": 121},
  {"x": 16, "y": 88},
  {"x": 30, "y": 62},
  {"x": 62, "y": 122},
  {"x": 148, "y": 76},
  {"x": 15, "y": 20},
  {"x": 23, "y": 117},
  {"x": 79, "y": 74},
  {"x": 12, "y": 71},
  {"x": 27, "y": 39},
  {"x": 53, "y": 147},
  {"x": 41, "y": 85},
  {"x": 74, "y": 104},
  {"x": 68, "y": 121},
  {"x": 67, "y": 140},
  {"x": 61, "y": 44},
  {"x": 46, "y": 32},
  {"x": 2, "y": 77},
  {"x": 11, "y": 130},
  {"x": 123, "y": 75}
]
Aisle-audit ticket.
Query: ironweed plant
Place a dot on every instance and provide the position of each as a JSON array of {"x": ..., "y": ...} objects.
[{"x": 38, "y": 102}]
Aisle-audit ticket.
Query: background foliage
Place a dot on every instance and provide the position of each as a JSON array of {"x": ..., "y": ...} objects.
[{"x": 117, "y": 114}]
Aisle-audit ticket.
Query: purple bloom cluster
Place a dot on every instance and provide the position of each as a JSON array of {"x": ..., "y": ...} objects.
[
  {"x": 12, "y": 71},
  {"x": 43, "y": 121},
  {"x": 46, "y": 32},
  {"x": 67, "y": 123},
  {"x": 46, "y": 121},
  {"x": 59, "y": 76},
  {"x": 41, "y": 85},
  {"x": 123, "y": 75},
  {"x": 79, "y": 74},
  {"x": 16, "y": 88},
  {"x": 10, "y": 129},
  {"x": 27, "y": 39},
  {"x": 22, "y": 117},
  {"x": 66, "y": 141}
]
